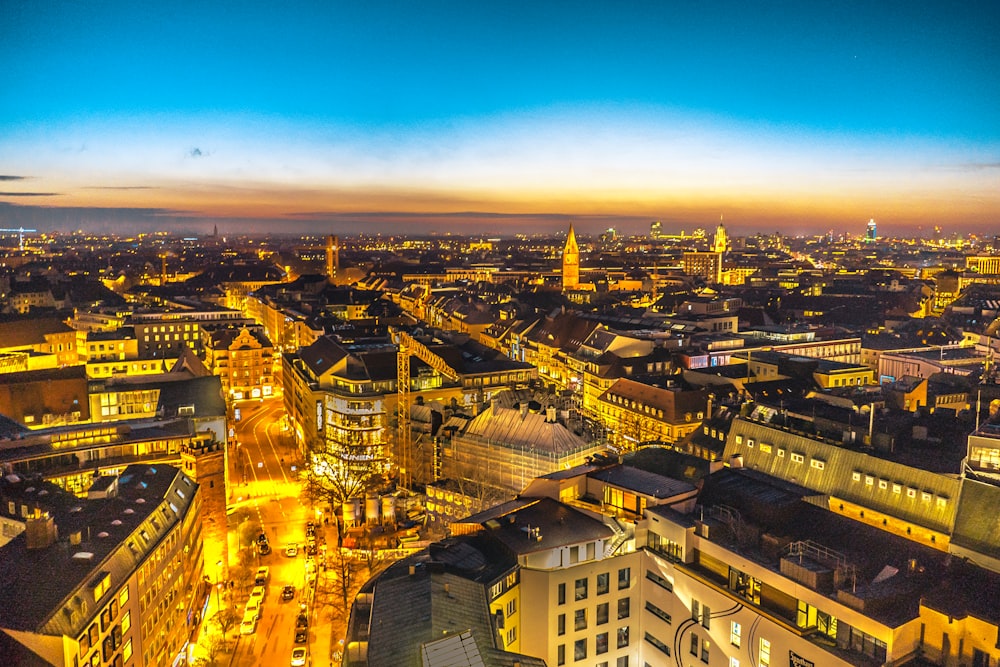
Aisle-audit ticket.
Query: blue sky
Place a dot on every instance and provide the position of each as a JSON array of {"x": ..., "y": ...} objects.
[{"x": 794, "y": 115}]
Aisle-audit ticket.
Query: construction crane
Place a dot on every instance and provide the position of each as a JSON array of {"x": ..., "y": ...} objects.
[
  {"x": 409, "y": 346},
  {"x": 20, "y": 235}
]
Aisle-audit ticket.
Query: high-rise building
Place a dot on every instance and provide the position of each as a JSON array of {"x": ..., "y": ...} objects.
[
  {"x": 871, "y": 233},
  {"x": 571, "y": 262},
  {"x": 656, "y": 230}
]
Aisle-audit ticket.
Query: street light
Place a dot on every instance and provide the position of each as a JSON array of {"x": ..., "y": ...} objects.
[{"x": 218, "y": 580}]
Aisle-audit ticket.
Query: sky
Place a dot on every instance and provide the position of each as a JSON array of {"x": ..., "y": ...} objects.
[{"x": 496, "y": 117}]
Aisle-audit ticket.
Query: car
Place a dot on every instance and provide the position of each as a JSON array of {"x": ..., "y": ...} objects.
[
  {"x": 292, "y": 550},
  {"x": 254, "y": 603},
  {"x": 311, "y": 549},
  {"x": 302, "y": 621},
  {"x": 249, "y": 624},
  {"x": 301, "y": 636},
  {"x": 263, "y": 573},
  {"x": 288, "y": 592},
  {"x": 263, "y": 548},
  {"x": 298, "y": 657},
  {"x": 258, "y": 592}
]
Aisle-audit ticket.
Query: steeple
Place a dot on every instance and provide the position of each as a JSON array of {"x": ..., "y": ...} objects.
[
  {"x": 571, "y": 262},
  {"x": 721, "y": 242}
]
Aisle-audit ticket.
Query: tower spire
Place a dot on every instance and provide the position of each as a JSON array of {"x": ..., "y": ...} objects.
[{"x": 571, "y": 261}]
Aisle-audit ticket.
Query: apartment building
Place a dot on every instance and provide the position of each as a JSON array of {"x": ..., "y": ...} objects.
[
  {"x": 626, "y": 566},
  {"x": 111, "y": 579}
]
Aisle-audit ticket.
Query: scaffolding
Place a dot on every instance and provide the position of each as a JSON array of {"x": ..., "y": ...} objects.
[{"x": 409, "y": 346}]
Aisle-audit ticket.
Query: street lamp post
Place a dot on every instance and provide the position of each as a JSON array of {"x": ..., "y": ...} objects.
[{"x": 218, "y": 582}]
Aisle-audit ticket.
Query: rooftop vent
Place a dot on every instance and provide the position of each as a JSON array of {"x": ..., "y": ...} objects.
[
  {"x": 128, "y": 510},
  {"x": 116, "y": 522},
  {"x": 103, "y": 535},
  {"x": 83, "y": 556}
]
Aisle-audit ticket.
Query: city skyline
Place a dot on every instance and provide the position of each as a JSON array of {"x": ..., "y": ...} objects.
[{"x": 791, "y": 116}]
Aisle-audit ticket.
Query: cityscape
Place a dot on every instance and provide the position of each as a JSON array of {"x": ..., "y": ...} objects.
[{"x": 648, "y": 334}]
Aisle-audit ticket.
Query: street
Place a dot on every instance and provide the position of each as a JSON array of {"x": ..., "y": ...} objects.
[{"x": 266, "y": 494}]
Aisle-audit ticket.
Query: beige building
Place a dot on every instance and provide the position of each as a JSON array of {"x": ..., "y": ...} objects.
[
  {"x": 116, "y": 581},
  {"x": 243, "y": 358}
]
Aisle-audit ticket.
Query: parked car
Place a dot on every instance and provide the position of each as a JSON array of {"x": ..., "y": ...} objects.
[
  {"x": 288, "y": 592},
  {"x": 249, "y": 624},
  {"x": 298, "y": 657},
  {"x": 302, "y": 621},
  {"x": 263, "y": 574},
  {"x": 301, "y": 636}
]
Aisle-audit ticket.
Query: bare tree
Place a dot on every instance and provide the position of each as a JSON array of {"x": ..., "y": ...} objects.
[
  {"x": 329, "y": 480},
  {"x": 225, "y": 619},
  {"x": 213, "y": 645}
]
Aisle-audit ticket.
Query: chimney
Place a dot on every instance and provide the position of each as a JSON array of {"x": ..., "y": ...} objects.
[
  {"x": 524, "y": 410},
  {"x": 550, "y": 414},
  {"x": 41, "y": 531}
]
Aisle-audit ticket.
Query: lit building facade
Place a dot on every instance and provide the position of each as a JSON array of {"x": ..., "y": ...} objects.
[
  {"x": 243, "y": 359},
  {"x": 129, "y": 589},
  {"x": 571, "y": 262}
]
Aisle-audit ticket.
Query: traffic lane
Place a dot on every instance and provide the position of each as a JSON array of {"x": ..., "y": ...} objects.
[{"x": 274, "y": 639}]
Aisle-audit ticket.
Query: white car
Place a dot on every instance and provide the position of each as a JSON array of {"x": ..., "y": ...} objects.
[
  {"x": 298, "y": 657},
  {"x": 249, "y": 624},
  {"x": 292, "y": 550}
]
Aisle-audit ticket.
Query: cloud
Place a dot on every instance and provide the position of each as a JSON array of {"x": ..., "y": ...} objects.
[
  {"x": 7, "y": 177},
  {"x": 121, "y": 187},
  {"x": 979, "y": 166},
  {"x": 29, "y": 194}
]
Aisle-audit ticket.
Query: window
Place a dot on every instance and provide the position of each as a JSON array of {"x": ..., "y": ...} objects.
[
  {"x": 659, "y": 613},
  {"x": 602, "y": 613},
  {"x": 695, "y": 644},
  {"x": 580, "y": 590},
  {"x": 695, "y": 610},
  {"x": 663, "y": 648},
  {"x": 624, "y": 578},
  {"x": 744, "y": 585},
  {"x": 706, "y": 616},
  {"x": 601, "y": 643},
  {"x": 580, "y": 619},
  {"x": 817, "y": 464},
  {"x": 512, "y": 606},
  {"x": 624, "y": 607},
  {"x": 797, "y": 458},
  {"x": 864, "y": 643},
  {"x": 511, "y": 635},
  {"x": 704, "y": 651},
  {"x": 561, "y": 654},
  {"x": 735, "y": 634},
  {"x": 660, "y": 581},
  {"x": 580, "y": 649},
  {"x": 127, "y": 651},
  {"x": 623, "y": 637},
  {"x": 764, "y": 653},
  {"x": 603, "y": 583},
  {"x": 734, "y": 662},
  {"x": 561, "y": 595},
  {"x": 561, "y": 624},
  {"x": 622, "y": 661}
]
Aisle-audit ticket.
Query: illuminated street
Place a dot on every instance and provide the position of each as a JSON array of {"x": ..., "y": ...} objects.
[{"x": 267, "y": 495}]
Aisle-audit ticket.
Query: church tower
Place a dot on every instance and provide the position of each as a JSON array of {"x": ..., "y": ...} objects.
[
  {"x": 571, "y": 262},
  {"x": 332, "y": 258},
  {"x": 721, "y": 242}
]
